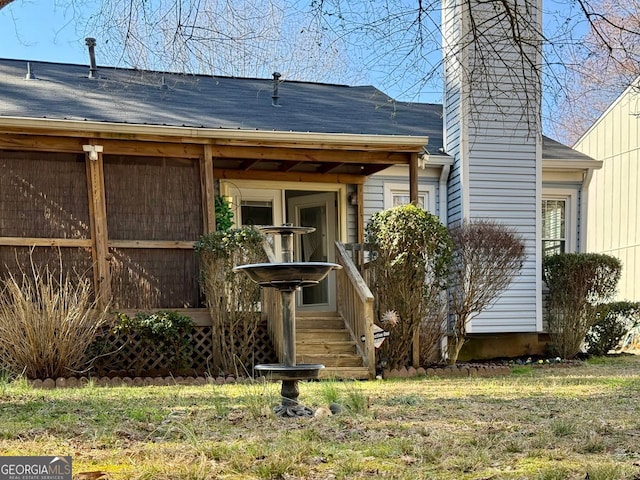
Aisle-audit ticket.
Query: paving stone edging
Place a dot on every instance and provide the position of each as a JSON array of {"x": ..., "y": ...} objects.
[{"x": 449, "y": 371}]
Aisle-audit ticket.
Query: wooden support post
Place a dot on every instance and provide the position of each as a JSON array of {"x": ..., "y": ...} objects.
[
  {"x": 98, "y": 216},
  {"x": 207, "y": 190},
  {"x": 413, "y": 179}
]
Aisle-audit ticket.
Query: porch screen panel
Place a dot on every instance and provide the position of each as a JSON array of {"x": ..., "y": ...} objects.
[
  {"x": 152, "y": 198},
  {"x": 75, "y": 261},
  {"x": 43, "y": 195},
  {"x": 154, "y": 278}
]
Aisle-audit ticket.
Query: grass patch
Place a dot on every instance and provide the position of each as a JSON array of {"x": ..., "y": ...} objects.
[{"x": 550, "y": 424}]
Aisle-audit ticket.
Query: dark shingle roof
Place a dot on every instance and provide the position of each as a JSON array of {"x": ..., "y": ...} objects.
[{"x": 63, "y": 91}]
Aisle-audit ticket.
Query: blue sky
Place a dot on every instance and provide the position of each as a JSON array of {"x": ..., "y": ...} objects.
[{"x": 40, "y": 31}]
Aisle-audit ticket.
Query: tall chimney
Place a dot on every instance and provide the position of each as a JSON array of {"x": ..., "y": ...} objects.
[
  {"x": 491, "y": 106},
  {"x": 93, "y": 69},
  {"x": 276, "y": 82}
]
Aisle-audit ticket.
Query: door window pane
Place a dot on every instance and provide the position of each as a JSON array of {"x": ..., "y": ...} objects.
[{"x": 256, "y": 212}]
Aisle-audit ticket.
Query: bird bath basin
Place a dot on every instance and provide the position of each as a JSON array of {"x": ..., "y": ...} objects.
[
  {"x": 287, "y": 277},
  {"x": 300, "y": 371}
]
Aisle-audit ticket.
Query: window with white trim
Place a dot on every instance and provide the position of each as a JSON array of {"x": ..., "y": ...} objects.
[
  {"x": 554, "y": 231},
  {"x": 559, "y": 221},
  {"x": 398, "y": 194}
]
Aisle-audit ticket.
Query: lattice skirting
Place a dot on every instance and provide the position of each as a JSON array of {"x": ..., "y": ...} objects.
[{"x": 122, "y": 355}]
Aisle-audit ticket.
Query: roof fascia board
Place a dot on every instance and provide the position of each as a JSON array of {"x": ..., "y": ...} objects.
[
  {"x": 564, "y": 164},
  {"x": 398, "y": 143}
]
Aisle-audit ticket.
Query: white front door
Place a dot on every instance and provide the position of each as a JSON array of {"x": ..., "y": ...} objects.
[{"x": 315, "y": 210}]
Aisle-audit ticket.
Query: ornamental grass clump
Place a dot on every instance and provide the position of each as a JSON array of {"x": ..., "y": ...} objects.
[
  {"x": 233, "y": 300},
  {"x": 579, "y": 283},
  {"x": 47, "y": 323},
  {"x": 408, "y": 274}
]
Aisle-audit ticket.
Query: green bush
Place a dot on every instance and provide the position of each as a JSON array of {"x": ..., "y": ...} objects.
[
  {"x": 613, "y": 322},
  {"x": 408, "y": 274},
  {"x": 232, "y": 298},
  {"x": 578, "y": 284},
  {"x": 164, "y": 332}
]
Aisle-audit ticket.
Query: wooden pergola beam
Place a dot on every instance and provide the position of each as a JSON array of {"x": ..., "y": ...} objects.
[
  {"x": 342, "y": 178},
  {"x": 253, "y": 153}
]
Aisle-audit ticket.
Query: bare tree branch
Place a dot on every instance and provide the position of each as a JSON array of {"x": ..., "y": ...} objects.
[{"x": 4, "y": 3}]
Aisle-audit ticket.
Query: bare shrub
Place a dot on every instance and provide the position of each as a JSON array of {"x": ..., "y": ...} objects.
[
  {"x": 47, "y": 322},
  {"x": 233, "y": 299},
  {"x": 487, "y": 255},
  {"x": 578, "y": 284},
  {"x": 408, "y": 275},
  {"x": 432, "y": 330}
]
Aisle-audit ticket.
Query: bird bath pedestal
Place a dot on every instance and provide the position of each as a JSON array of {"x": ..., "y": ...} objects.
[{"x": 287, "y": 277}]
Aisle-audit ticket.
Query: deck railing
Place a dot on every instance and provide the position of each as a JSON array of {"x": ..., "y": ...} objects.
[{"x": 355, "y": 304}]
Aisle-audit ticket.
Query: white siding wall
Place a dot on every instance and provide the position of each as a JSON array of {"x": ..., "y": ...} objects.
[
  {"x": 497, "y": 150},
  {"x": 614, "y": 193}
]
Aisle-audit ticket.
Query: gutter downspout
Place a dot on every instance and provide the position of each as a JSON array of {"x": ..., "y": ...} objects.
[{"x": 443, "y": 194}]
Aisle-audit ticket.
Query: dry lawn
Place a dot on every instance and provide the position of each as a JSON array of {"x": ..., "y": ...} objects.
[{"x": 546, "y": 424}]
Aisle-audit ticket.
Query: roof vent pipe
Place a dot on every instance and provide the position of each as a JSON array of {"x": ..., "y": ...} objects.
[
  {"x": 93, "y": 70},
  {"x": 30, "y": 75},
  {"x": 276, "y": 82}
]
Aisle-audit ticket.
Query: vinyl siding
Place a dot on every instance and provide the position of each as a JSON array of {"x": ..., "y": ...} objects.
[
  {"x": 496, "y": 174},
  {"x": 614, "y": 193},
  {"x": 375, "y": 186}
]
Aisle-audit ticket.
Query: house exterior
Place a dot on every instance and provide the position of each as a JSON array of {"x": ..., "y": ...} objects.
[
  {"x": 118, "y": 169},
  {"x": 613, "y": 197}
]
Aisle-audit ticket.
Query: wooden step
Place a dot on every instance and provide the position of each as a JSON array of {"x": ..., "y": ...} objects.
[
  {"x": 319, "y": 346},
  {"x": 317, "y": 313},
  {"x": 325, "y": 334},
  {"x": 333, "y": 360},
  {"x": 332, "y": 323},
  {"x": 321, "y": 337},
  {"x": 345, "y": 373}
]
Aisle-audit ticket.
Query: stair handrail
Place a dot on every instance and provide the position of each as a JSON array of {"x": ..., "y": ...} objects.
[{"x": 355, "y": 304}]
